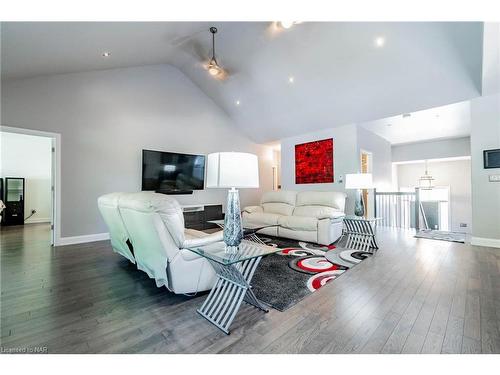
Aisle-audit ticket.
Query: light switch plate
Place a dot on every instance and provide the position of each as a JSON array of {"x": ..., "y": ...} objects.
[{"x": 494, "y": 177}]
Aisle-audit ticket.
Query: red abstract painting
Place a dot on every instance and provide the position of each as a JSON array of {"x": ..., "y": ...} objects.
[{"x": 314, "y": 162}]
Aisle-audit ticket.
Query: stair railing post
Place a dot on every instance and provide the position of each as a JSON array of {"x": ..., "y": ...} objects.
[{"x": 417, "y": 209}]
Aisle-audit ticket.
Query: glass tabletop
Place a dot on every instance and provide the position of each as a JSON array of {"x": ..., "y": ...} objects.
[
  {"x": 362, "y": 218},
  {"x": 221, "y": 253},
  {"x": 245, "y": 224}
]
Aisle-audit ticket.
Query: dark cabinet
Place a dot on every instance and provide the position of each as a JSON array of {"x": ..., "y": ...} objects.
[
  {"x": 198, "y": 217},
  {"x": 14, "y": 201}
]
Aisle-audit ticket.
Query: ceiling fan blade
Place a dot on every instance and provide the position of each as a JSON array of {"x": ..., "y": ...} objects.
[
  {"x": 177, "y": 41},
  {"x": 196, "y": 50}
]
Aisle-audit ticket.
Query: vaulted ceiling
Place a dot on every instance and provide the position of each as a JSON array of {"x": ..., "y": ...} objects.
[{"x": 340, "y": 75}]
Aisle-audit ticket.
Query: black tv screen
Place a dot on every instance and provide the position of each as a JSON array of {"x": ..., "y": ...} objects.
[{"x": 172, "y": 173}]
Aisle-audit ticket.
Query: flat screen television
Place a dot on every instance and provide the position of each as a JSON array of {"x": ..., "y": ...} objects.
[{"x": 172, "y": 173}]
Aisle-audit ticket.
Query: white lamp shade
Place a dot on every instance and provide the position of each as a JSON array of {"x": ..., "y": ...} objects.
[
  {"x": 232, "y": 169},
  {"x": 359, "y": 181}
]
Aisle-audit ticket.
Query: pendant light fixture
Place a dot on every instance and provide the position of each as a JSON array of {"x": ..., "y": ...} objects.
[
  {"x": 426, "y": 182},
  {"x": 213, "y": 67}
]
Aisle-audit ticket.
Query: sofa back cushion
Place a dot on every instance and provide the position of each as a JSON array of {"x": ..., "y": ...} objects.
[
  {"x": 279, "y": 202},
  {"x": 332, "y": 199},
  {"x": 108, "y": 206},
  {"x": 318, "y": 212}
]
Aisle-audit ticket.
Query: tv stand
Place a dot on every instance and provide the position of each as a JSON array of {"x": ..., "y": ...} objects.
[
  {"x": 196, "y": 216},
  {"x": 174, "y": 192}
]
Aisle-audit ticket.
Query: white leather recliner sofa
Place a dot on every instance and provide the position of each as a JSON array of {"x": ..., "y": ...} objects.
[
  {"x": 108, "y": 206},
  {"x": 154, "y": 225},
  {"x": 312, "y": 216}
]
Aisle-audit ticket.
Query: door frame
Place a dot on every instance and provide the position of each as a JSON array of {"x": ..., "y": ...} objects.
[
  {"x": 370, "y": 201},
  {"x": 55, "y": 237}
]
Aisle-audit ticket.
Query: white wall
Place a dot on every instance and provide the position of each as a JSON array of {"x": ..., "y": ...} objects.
[
  {"x": 345, "y": 159},
  {"x": 485, "y": 120},
  {"x": 382, "y": 157},
  {"x": 29, "y": 157},
  {"x": 446, "y": 148},
  {"x": 107, "y": 117},
  {"x": 348, "y": 140},
  {"x": 491, "y": 58},
  {"x": 455, "y": 174}
]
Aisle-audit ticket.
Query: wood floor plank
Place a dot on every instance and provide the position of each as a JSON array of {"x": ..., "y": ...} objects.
[{"x": 414, "y": 295}]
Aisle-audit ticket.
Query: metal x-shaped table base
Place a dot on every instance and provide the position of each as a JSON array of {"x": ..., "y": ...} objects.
[{"x": 231, "y": 288}]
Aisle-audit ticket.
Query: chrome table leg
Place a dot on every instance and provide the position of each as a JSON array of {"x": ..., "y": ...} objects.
[{"x": 231, "y": 288}]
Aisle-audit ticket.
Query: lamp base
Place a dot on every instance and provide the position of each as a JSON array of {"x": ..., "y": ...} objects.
[
  {"x": 359, "y": 207},
  {"x": 233, "y": 230}
]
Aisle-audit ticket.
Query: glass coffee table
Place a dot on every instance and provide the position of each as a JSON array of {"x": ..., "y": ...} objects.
[
  {"x": 234, "y": 270},
  {"x": 249, "y": 230}
]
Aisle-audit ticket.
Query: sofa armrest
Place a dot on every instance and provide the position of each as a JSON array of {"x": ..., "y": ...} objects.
[
  {"x": 252, "y": 209},
  {"x": 331, "y": 216},
  {"x": 201, "y": 241}
]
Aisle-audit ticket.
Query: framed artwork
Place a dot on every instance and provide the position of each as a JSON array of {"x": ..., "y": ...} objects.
[{"x": 314, "y": 162}]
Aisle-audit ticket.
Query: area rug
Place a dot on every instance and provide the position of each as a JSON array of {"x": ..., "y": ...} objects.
[
  {"x": 298, "y": 270},
  {"x": 441, "y": 235}
]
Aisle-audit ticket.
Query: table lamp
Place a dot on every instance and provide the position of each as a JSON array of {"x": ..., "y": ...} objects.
[
  {"x": 359, "y": 181},
  {"x": 232, "y": 170}
]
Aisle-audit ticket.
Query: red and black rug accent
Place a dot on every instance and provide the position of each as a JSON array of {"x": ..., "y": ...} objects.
[{"x": 299, "y": 269}]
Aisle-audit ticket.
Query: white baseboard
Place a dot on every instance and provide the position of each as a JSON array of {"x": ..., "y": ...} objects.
[
  {"x": 488, "y": 242},
  {"x": 82, "y": 239},
  {"x": 38, "y": 220}
]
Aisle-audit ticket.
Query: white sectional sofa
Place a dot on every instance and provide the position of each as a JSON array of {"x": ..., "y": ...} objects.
[
  {"x": 148, "y": 229},
  {"x": 312, "y": 216}
]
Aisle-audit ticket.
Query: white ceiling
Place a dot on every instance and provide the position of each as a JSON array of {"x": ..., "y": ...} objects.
[
  {"x": 448, "y": 121},
  {"x": 340, "y": 76}
]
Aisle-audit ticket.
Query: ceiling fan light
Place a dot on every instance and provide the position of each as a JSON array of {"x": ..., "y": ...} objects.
[
  {"x": 213, "y": 70},
  {"x": 286, "y": 24}
]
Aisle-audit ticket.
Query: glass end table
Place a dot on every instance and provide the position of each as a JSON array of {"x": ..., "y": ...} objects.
[
  {"x": 249, "y": 229},
  {"x": 360, "y": 232},
  {"x": 234, "y": 270}
]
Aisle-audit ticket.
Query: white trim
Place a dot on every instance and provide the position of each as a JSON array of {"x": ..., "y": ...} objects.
[
  {"x": 56, "y": 173},
  {"x": 82, "y": 239},
  {"x": 38, "y": 220},
  {"x": 488, "y": 242},
  {"x": 436, "y": 160}
]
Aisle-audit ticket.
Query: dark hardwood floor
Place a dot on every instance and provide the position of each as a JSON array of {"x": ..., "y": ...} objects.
[{"x": 413, "y": 296}]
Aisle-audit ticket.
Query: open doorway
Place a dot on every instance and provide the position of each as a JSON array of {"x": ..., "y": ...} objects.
[{"x": 29, "y": 169}]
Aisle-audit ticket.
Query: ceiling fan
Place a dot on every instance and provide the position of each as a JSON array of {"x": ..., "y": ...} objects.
[
  {"x": 192, "y": 46},
  {"x": 213, "y": 67}
]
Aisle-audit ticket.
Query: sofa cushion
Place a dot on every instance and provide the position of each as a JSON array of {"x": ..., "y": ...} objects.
[
  {"x": 280, "y": 202},
  {"x": 333, "y": 199},
  {"x": 278, "y": 208},
  {"x": 299, "y": 223},
  {"x": 261, "y": 218},
  {"x": 280, "y": 196},
  {"x": 251, "y": 209},
  {"x": 319, "y": 212}
]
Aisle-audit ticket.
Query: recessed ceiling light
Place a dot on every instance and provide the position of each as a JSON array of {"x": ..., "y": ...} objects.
[
  {"x": 237, "y": 102},
  {"x": 106, "y": 54},
  {"x": 291, "y": 79},
  {"x": 379, "y": 41}
]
